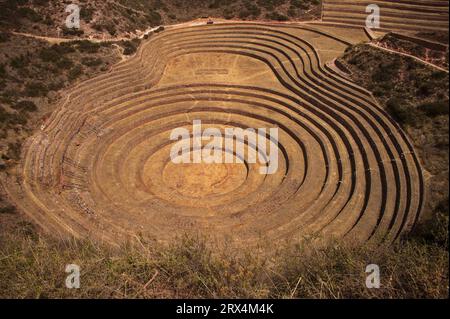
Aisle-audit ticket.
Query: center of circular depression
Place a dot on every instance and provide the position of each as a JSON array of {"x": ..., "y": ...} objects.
[{"x": 202, "y": 179}]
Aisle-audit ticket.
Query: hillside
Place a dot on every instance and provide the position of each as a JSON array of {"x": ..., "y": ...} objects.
[
  {"x": 413, "y": 16},
  {"x": 361, "y": 166},
  {"x": 123, "y": 18}
]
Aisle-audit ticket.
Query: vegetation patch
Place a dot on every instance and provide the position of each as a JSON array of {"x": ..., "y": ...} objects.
[
  {"x": 33, "y": 267},
  {"x": 416, "y": 96}
]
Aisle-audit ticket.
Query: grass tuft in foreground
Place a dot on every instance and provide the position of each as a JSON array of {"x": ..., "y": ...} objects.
[{"x": 32, "y": 266}]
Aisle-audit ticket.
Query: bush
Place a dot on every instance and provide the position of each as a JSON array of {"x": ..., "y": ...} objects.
[
  {"x": 4, "y": 37},
  {"x": 401, "y": 110},
  {"x": 129, "y": 47},
  {"x": 228, "y": 14},
  {"x": 48, "y": 21},
  {"x": 276, "y": 16},
  {"x": 8, "y": 210},
  {"x": 55, "y": 86},
  {"x": 425, "y": 89},
  {"x": 41, "y": 2},
  {"x": 301, "y": 4},
  {"x": 87, "y": 46},
  {"x": 72, "y": 32},
  {"x": 252, "y": 9},
  {"x": 270, "y": 4},
  {"x": 154, "y": 18},
  {"x": 86, "y": 13},
  {"x": 14, "y": 150},
  {"x": 64, "y": 63},
  {"x": 55, "y": 52},
  {"x": 28, "y": 13},
  {"x": 75, "y": 72},
  {"x": 19, "y": 62},
  {"x": 436, "y": 108},
  {"x": 3, "y": 72},
  {"x": 49, "y": 55},
  {"x": 244, "y": 14},
  {"x": 27, "y": 106},
  {"x": 439, "y": 75},
  {"x": 4, "y": 116},
  {"x": 110, "y": 28},
  {"x": 91, "y": 62},
  {"x": 35, "y": 89},
  {"x": 292, "y": 12}
]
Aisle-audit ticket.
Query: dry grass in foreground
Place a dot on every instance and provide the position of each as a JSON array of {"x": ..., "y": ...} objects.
[{"x": 33, "y": 267}]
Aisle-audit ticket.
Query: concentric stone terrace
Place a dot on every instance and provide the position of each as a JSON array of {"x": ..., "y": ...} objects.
[
  {"x": 402, "y": 15},
  {"x": 100, "y": 166}
]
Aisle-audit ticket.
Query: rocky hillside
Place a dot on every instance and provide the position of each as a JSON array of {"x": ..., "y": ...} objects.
[{"x": 112, "y": 18}]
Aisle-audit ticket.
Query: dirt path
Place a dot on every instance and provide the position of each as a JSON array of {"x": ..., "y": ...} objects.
[
  {"x": 409, "y": 55},
  {"x": 141, "y": 34}
]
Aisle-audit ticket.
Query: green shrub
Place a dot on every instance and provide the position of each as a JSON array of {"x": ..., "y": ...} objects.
[
  {"x": 154, "y": 18},
  {"x": 301, "y": 4},
  {"x": 35, "y": 89},
  {"x": 64, "y": 63},
  {"x": 401, "y": 110},
  {"x": 292, "y": 11},
  {"x": 19, "y": 118},
  {"x": 48, "y": 21},
  {"x": 14, "y": 150},
  {"x": 19, "y": 62},
  {"x": 8, "y": 210},
  {"x": 86, "y": 13},
  {"x": 4, "y": 116},
  {"x": 91, "y": 62},
  {"x": 4, "y": 37},
  {"x": 425, "y": 89},
  {"x": 41, "y": 2},
  {"x": 270, "y": 4},
  {"x": 48, "y": 55},
  {"x": 228, "y": 14},
  {"x": 72, "y": 31},
  {"x": 55, "y": 52},
  {"x": 87, "y": 46},
  {"x": 243, "y": 14},
  {"x": 75, "y": 72},
  {"x": 276, "y": 16},
  {"x": 130, "y": 47},
  {"x": 27, "y": 106},
  {"x": 28, "y": 13},
  {"x": 56, "y": 86},
  {"x": 436, "y": 108},
  {"x": 110, "y": 28},
  {"x": 439, "y": 75},
  {"x": 253, "y": 10},
  {"x": 3, "y": 72}
]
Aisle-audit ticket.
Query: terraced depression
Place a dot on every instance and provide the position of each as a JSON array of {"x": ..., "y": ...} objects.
[{"x": 100, "y": 166}]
